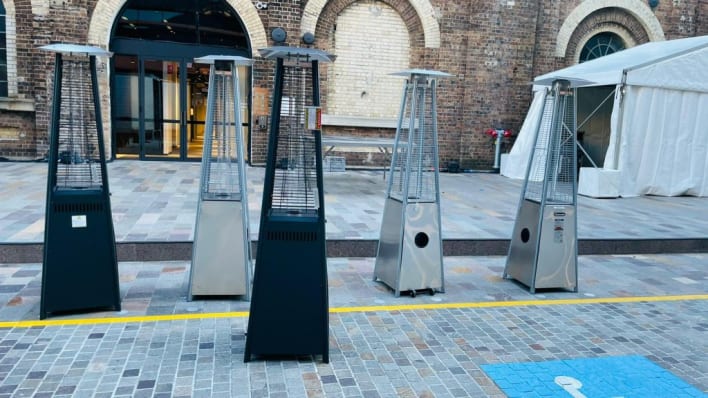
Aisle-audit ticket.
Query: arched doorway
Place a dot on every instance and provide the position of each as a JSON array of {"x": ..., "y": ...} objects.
[{"x": 158, "y": 92}]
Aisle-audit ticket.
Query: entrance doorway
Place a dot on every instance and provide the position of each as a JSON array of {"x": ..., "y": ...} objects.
[{"x": 158, "y": 92}]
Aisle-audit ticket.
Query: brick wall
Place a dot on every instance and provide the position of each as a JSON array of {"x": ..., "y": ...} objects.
[
  {"x": 494, "y": 49},
  {"x": 371, "y": 42},
  {"x": 16, "y": 138}
]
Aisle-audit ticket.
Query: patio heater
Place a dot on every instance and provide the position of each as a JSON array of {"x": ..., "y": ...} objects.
[
  {"x": 289, "y": 304},
  {"x": 544, "y": 253},
  {"x": 409, "y": 256},
  {"x": 221, "y": 257},
  {"x": 80, "y": 267}
]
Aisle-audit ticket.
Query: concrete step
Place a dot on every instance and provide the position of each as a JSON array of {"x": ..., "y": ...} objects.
[{"x": 17, "y": 253}]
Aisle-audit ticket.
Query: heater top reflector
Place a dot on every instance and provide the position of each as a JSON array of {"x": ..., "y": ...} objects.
[
  {"x": 76, "y": 49},
  {"x": 311, "y": 54}
]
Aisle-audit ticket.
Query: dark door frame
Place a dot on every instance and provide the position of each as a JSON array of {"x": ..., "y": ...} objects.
[{"x": 183, "y": 53}]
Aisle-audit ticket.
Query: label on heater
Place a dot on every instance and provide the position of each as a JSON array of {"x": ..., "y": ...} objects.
[
  {"x": 558, "y": 230},
  {"x": 78, "y": 221},
  {"x": 313, "y": 118}
]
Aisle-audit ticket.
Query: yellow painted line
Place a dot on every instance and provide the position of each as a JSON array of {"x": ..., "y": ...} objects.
[
  {"x": 340, "y": 310},
  {"x": 125, "y": 319},
  {"x": 520, "y": 303}
]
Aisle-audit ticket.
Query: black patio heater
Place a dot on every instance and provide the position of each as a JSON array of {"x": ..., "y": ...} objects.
[
  {"x": 289, "y": 301},
  {"x": 80, "y": 269}
]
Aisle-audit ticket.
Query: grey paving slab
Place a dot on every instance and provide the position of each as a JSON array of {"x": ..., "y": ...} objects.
[
  {"x": 378, "y": 351},
  {"x": 386, "y": 352},
  {"x": 156, "y": 201}
]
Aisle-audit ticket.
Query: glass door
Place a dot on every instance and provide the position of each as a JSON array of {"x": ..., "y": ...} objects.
[
  {"x": 164, "y": 108},
  {"x": 126, "y": 106},
  {"x": 197, "y": 89},
  {"x": 159, "y": 107}
]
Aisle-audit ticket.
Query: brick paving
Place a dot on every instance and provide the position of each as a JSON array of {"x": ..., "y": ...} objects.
[
  {"x": 373, "y": 353},
  {"x": 157, "y": 201},
  {"x": 481, "y": 320}
]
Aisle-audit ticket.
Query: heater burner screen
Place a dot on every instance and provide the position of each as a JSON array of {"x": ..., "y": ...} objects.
[
  {"x": 295, "y": 182},
  {"x": 553, "y": 157},
  {"x": 79, "y": 161},
  {"x": 221, "y": 179},
  {"x": 416, "y": 150}
]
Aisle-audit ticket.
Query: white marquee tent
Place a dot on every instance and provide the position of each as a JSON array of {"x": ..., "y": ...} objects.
[{"x": 658, "y": 139}]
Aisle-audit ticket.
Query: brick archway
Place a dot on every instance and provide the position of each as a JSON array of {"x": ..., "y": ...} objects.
[
  {"x": 636, "y": 8},
  {"x": 608, "y": 20},
  {"x": 106, "y": 11},
  {"x": 423, "y": 9}
]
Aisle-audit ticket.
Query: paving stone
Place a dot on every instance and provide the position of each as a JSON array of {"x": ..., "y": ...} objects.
[{"x": 425, "y": 352}]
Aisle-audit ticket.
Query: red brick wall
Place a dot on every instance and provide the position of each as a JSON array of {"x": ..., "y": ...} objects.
[{"x": 494, "y": 49}]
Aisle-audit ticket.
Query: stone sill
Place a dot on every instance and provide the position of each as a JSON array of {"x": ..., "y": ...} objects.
[
  {"x": 358, "y": 121},
  {"x": 16, "y": 104}
]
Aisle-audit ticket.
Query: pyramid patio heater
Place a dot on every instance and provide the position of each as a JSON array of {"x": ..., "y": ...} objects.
[
  {"x": 543, "y": 253},
  {"x": 221, "y": 256},
  {"x": 289, "y": 303},
  {"x": 80, "y": 268},
  {"x": 409, "y": 256}
]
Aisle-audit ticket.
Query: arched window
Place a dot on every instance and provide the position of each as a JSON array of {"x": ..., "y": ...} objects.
[
  {"x": 600, "y": 45},
  {"x": 3, "y": 52},
  {"x": 203, "y": 22}
]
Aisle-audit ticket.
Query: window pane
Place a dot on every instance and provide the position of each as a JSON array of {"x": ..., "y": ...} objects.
[
  {"x": 126, "y": 114},
  {"x": 600, "y": 45},
  {"x": 177, "y": 26},
  {"x": 218, "y": 25},
  {"x": 211, "y": 22},
  {"x": 3, "y": 89}
]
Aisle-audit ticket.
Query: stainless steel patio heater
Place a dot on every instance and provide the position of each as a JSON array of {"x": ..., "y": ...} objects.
[
  {"x": 409, "y": 256},
  {"x": 80, "y": 268},
  {"x": 544, "y": 252},
  {"x": 289, "y": 304},
  {"x": 221, "y": 255}
]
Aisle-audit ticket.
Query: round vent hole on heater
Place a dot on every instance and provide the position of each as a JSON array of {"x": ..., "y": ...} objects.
[
  {"x": 421, "y": 239},
  {"x": 525, "y": 235}
]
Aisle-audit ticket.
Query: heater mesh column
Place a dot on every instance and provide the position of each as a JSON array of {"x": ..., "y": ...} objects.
[
  {"x": 543, "y": 251},
  {"x": 221, "y": 258},
  {"x": 409, "y": 256},
  {"x": 80, "y": 268}
]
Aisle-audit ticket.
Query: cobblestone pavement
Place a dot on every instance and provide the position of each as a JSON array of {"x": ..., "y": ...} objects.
[
  {"x": 157, "y": 201},
  {"x": 653, "y": 306}
]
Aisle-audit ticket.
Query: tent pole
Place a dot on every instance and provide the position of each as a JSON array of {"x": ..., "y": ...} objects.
[{"x": 618, "y": 139}]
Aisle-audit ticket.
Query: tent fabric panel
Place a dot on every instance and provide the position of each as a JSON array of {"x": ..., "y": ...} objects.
[
  {"x": 663, "y": 143},
  {"x": 609, "y": 70},
  {"x": 517, "y": 161},
  {"x": 611, "y": 158},
  {"x": 685, "y": 72}
]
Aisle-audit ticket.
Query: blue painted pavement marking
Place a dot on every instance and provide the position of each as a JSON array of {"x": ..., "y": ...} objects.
[{"x": 611, "y": 377}]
